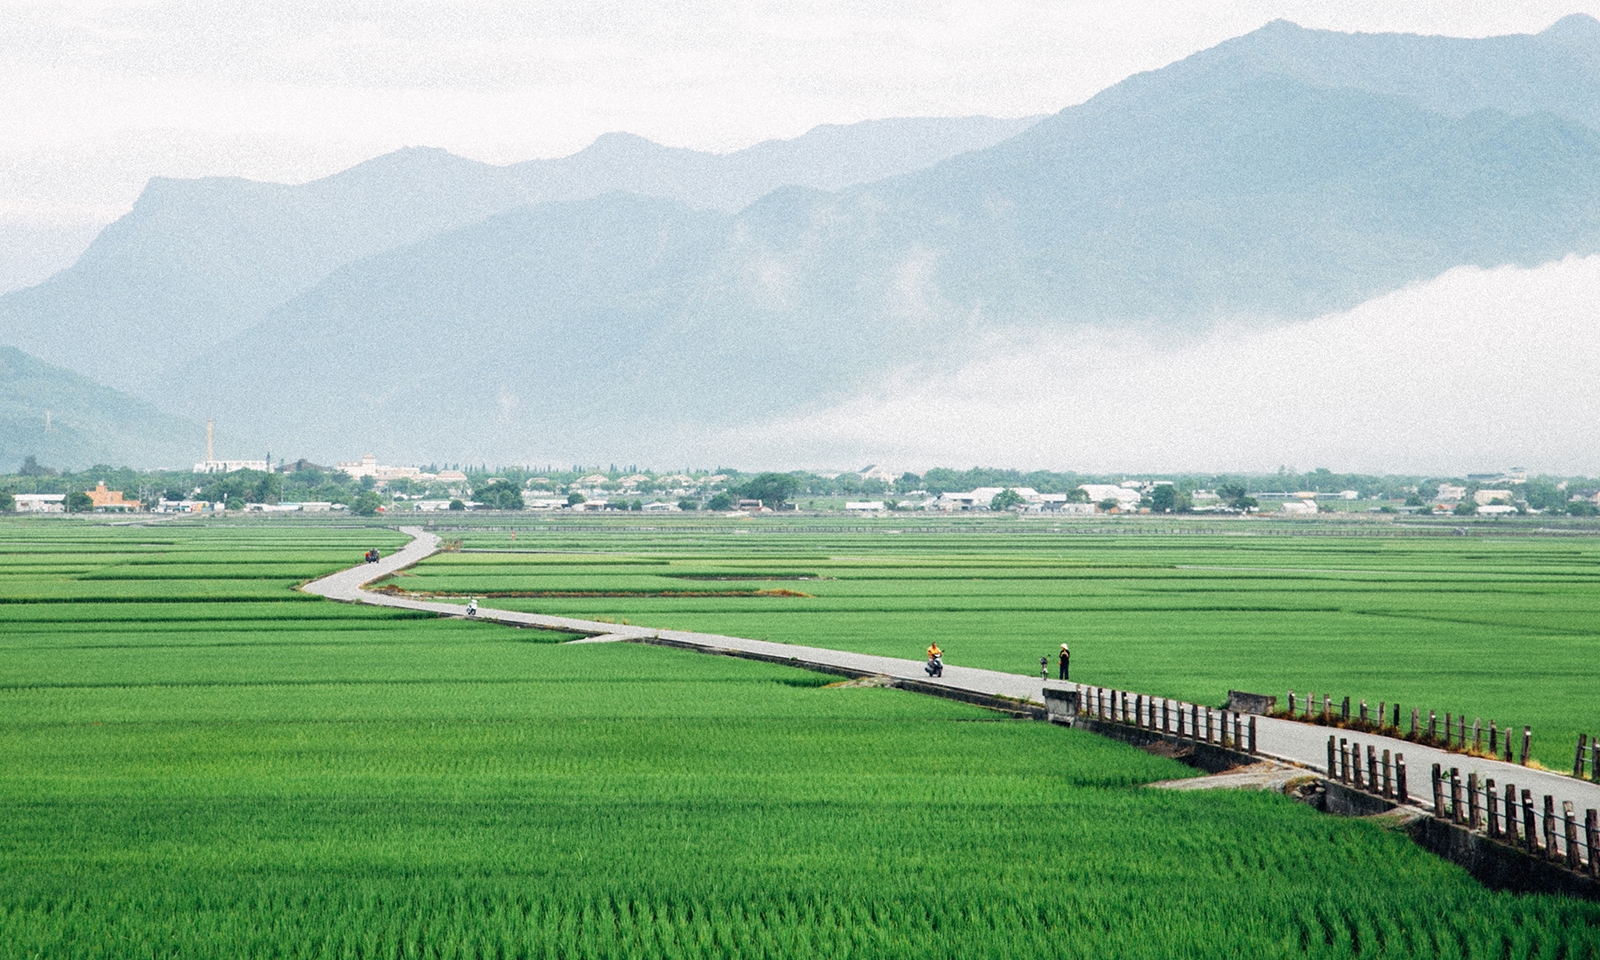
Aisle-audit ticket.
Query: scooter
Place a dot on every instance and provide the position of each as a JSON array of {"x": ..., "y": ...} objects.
[
  {"x": 935, "y": 666},
  {"x": 472, "y": 608}
]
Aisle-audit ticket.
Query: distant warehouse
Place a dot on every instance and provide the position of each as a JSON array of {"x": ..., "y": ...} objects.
[{"x": 41, "y": 503}]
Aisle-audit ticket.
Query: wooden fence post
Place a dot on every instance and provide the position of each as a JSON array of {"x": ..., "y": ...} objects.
[
  {"x": 1344, "y": 709},
  {"x": 1493, "y": 807},
  {"x": 1438, "y": 793},
  {"x": 1447, "y": 729},
  {"x": 1461, "y": 731},
  {"x": 1511, "y": 812},
  {"x": 1433, "y": 725},
  {"x": 1474, "y": 817},
  {"x": 1252, "y": 734},
  {"x": 1550, "y": 827},
  {"x": 1477, "y": 734},
  {"x": 1400, "y": 792},
  {"x": 1388, "y": 776},
  {"x": 1333, "y": 768},
  {"x": 1372, "y": 768},
  {"x": 1594, "y": 759},
  {"x": 1397, "y": 719},
  {"x": 1211, "y": 726},
  {"x": 1527, "y": 740},
  {"x": 1344, "y": 760},
  {"x": 1591, "y": 828},
  {"x": 1413, "y": 721},
  {"x": 1457, "y": 814},
  {"x": 1194, "y": 721},
  {"x": 1507, "y": 739},
  {"x": 1363, "y": 711},
  {"x": 1291, "y": 703},
  {"x": 1355, "y": 766},
  {"x": 1571, "y": 836},
  {"x": 1577, "y": 762},
  {"x": 1494, "y": 739},
  {"x": 1327, "y": 707},
  {"x": 1530, "y": 828},
  {"x": 1382, "y": 712}
]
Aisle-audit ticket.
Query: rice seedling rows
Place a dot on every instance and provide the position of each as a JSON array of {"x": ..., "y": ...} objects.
[
  {"x": 1505, "y": 629},
  {"x": 266, "y": 777}
]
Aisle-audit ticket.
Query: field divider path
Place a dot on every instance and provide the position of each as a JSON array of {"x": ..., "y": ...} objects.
[{"x": 1289, "y": 741}]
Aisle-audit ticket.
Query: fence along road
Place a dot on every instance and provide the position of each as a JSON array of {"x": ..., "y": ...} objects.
[{"x": 1302, "y": 744}]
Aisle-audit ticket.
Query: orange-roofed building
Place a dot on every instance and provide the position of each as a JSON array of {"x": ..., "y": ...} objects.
[{"x": 104, "y": 499}]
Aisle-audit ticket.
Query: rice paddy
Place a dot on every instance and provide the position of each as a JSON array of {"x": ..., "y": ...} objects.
[
  {"x": 1502, "y": 628},
  {"x": 201, "y": 762}
]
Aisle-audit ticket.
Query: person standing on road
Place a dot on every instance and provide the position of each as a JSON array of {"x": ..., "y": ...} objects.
[{"x": 1065, "y": 657}]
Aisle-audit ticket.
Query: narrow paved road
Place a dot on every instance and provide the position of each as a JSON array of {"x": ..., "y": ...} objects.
[{"x": 1299, "y": 743}]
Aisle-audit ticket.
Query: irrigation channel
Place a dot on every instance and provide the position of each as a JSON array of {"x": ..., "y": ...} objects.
[{"x": 1549, "y": 815}]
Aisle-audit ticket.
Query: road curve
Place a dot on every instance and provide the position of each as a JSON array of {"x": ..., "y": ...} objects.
[{"x": 1301, "y": 744}]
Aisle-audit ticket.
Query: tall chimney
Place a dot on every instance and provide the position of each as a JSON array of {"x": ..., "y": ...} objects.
[{"x": 209, "y": 457}]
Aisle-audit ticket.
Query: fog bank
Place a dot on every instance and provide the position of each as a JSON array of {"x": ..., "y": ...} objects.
[{"x": 1475, "y": 370}]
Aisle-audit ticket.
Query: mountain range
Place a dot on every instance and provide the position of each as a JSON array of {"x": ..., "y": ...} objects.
[
  {"x": 632, "y": 297},
  {"x": 67, "y": 420}
]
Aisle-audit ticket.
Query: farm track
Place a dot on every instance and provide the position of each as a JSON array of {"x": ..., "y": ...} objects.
[{"x": 1301, "y": 744}]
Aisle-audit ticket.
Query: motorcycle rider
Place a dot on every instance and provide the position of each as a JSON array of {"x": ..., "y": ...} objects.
[
  {"x": 935, "y": 667},
  {"x": 472, "y": 607}
]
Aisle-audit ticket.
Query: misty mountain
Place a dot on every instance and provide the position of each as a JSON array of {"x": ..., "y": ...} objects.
[
  {"x": 198, "y": 261},
  {"x": 67, "y": 420},
  {"x": 1555, "y": 71},
  {"x": 642, "y": 322},
  {"x": 1258, "y": 183}
]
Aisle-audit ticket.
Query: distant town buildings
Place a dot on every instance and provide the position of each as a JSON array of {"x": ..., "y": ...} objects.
[
  {"x": 212, "y": 465},
  {"x": 865, "y": 506},
  {"x": 1126, "y": 497},
  {"x": 41, "y": 503},
  {"x": 110, "y": 501}
]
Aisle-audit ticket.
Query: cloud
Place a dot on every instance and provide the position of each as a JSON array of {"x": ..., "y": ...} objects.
[{"x": 1474, "y": 370}]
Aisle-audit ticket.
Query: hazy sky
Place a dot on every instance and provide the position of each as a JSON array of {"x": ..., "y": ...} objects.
[{"x": 99, "y": 96}]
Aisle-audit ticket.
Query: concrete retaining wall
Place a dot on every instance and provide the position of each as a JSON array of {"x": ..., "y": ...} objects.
[
  {"x": 1202, "y": 756},
  {"x": 1500, "y": 865}
]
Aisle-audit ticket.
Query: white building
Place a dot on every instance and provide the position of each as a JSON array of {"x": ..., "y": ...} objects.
[
  {"x": 368, "y": 466},
  {"x": 1496, "y": 509},
  {"x": 875, "y": 472},
  {"x": 1485, "y": 497},
  {"x": 228, "y": 466},
  {"x": 865, "y": 506},
  {"x": 1072, "y": 509},
  {"x": 41, "y": 502},
  {"x": 1451, "y": 492},
  {"x": 1127, "y": 498},
  {"x": 1300, "y": 508}
]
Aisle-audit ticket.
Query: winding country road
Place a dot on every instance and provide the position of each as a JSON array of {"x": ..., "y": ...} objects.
[{"x": 1302, "y": 744}]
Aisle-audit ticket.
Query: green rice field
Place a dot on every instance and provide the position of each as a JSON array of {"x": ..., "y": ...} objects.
[
  {"x": 200, "y": 761},
  {"x": 1504, "y": 628}
]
